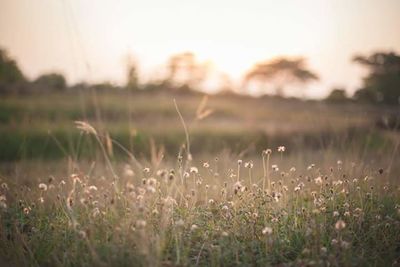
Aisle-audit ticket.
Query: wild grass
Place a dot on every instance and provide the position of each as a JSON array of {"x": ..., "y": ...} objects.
[{"x": 309, "y": 208}]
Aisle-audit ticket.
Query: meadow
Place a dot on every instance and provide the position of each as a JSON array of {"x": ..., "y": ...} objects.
[{"x": 179, "y": 179}]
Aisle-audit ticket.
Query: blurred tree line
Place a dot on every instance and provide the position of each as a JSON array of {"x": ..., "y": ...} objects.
[
  {"x": 281, "y": 72},
  {"x": 382, "y": 84},
  {"x": 185, "y": 73}
]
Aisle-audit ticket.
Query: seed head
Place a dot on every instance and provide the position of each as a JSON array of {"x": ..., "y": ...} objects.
[
  {"x": 141, "y": 223},
  {"x": 267, "y": 230},
  {"x": 340, "y": 225},
  {"x": 92, "y": 188},
  {"x": 266, "y": 152},
  {"x": 194, "y": 170},
  {"x": 4, "y": 186},
  {"x": 249, "y": 165},
  {"x": 335, "y": 213},
  {"x": 85, "y": 127},
  {"x": 275, "y": 167},
  {"x": 318, "y": 180},
  {"x": 43, "y": 187}
]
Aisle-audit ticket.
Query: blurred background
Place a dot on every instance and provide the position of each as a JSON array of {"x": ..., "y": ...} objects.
[{"x": 246, "y": 75}]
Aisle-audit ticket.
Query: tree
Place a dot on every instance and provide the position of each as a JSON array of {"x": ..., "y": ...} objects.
[
  {"x": 337, "y": 95},
  {"x": 279, "y": 72},
  {"x": 185, "y": 71},
  {"x": 51, "y": 81},
  {"x": 132, "y": 80},
  {"x": 382, "y": 84},
  {"x": 9, "y": 70}
]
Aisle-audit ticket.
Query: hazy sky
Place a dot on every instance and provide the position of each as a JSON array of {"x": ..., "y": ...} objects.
[{"x": 67, "y": 35}]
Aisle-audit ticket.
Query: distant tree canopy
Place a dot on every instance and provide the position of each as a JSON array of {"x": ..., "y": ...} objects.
[
  {"x": 9, "y": 70},
  {"x": 132, "y": 80},
  {"x": 382, "y": 84},
  {"x": 337, "y": 95},
  {"x": 280, "y": 72},
  {"x": 51, "y": 81},
  {"x": 185, "y": 71}
]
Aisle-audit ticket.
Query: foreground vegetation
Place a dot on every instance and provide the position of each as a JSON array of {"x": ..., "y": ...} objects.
[
  {"x": 275, "y": 209},
  {"x": 121, "y": 191}
]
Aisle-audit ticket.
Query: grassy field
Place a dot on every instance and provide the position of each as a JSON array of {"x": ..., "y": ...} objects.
[
  {"x": 41, "y": 126},
  {"x": 257, "y": 182}
]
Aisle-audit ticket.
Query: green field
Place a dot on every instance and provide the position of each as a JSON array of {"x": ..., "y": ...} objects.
[{"x": 42, "y": 126}]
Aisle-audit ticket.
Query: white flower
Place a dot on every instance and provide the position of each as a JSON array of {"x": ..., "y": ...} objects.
[
  {"x": 337, "y": 183},
  {"x": 169, "y": 201},
  {"x": 335, "y": 213},
  {"x": 92, "y": 188},
  {"x": 141, "y": 223},
  {"x": 96, "y": 212},
  {"x": 82, "y": 234},
  {"x": 128, "y": 171},
  {"x": 161, "y": 173},
  {"x": 249, "y": 165},
  {"x": 267, "y": 230},
  {"x": 43, "y": 187},
  {"x": 194, "y": 170},
  {"x": 237, "y": 186},
  {"x": 267, "y": 152},
  {"x": 318, "y": 180},
  {"x": 151, "y": 189},
  {"x": 281, "y": 149},
  {"x": 340, "y": 225},
  {"x": 152, "y": 181}
]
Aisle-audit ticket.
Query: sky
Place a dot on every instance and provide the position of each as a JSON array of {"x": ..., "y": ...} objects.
[{"x": 91, "y": 40}]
